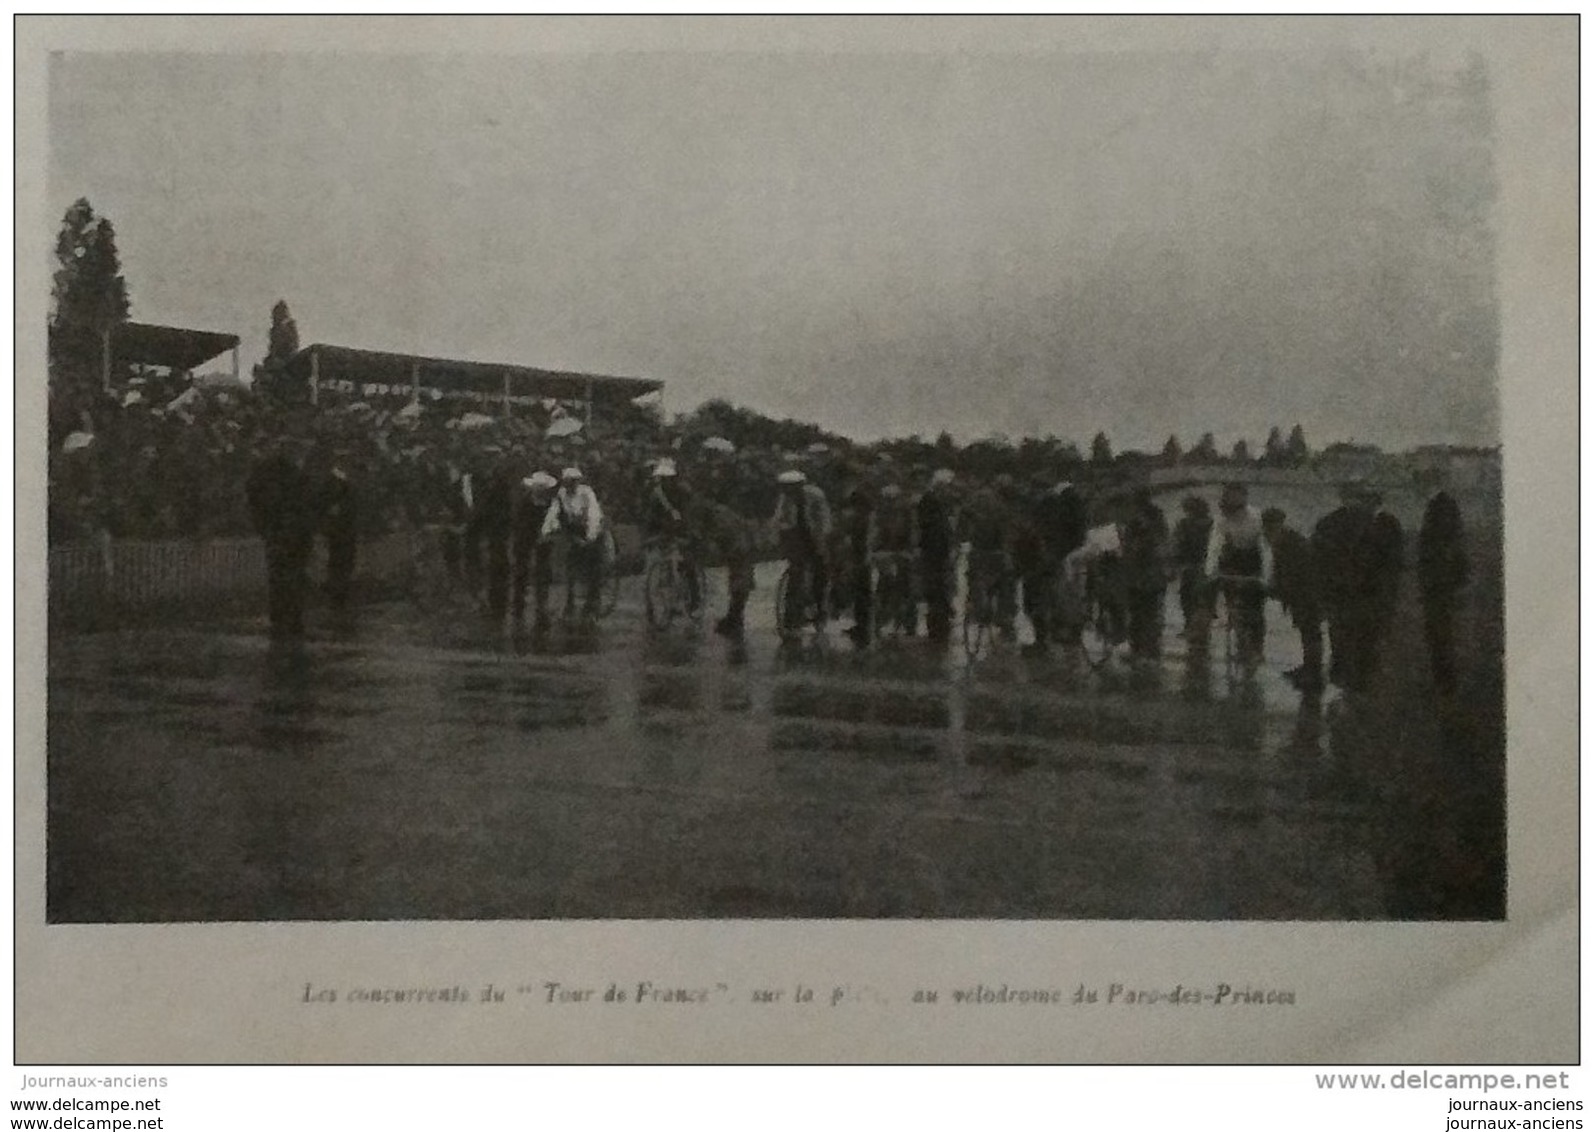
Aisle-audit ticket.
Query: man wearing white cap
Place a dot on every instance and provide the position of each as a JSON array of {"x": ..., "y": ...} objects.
[
  {"x": 665, "y": 520},
  {"x": 533, "y": 563},
  {"x": 576, "y": 517},
  {"x": 802, "y": 528}
]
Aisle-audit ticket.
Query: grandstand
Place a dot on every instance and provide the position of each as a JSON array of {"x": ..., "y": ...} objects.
[{"x": 377, "y": 375}]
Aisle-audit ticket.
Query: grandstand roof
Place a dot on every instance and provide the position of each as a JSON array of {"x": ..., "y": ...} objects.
[
  {"x": 378, "y": 366},
  {"x": 172, "y": 347}
]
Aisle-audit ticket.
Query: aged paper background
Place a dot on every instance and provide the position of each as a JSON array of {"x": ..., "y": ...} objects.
[{"x": 1388, "y": 992}]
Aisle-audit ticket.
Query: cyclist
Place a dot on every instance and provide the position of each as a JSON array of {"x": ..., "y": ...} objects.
[
  {"x": 575, "y": 516},
  {"x": 533, "y": 564},
  {"x": 802, "y": 529},
  {"x": 1237, "y": 552},
  {"x": 664, "y": 520}
]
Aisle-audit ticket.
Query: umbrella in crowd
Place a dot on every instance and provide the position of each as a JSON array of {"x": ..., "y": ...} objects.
[
  {"x": 183, "y": 401},
  {"x": 718, "y": 444},
  {"x": 77, "y": 441},
  {"x": 472, "y": 420},
  {"x": 564, "y": 426}
]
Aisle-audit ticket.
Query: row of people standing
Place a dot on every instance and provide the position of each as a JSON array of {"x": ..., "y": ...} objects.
[
  {"x": 830, "y": 556},
  {"x": 517, "y": 522},
  {"x": 1345, "y": 576},
  {"x": 502, "y": 528}
]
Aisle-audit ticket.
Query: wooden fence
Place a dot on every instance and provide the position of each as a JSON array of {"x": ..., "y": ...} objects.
[{"x": 99, "y": 584}]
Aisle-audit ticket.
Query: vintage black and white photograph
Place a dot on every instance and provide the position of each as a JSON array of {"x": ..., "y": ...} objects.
[{"x": 736, "y": 485}]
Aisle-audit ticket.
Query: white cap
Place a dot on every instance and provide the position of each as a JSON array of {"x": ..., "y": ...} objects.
[
  {"x": 664, "y": 468},
  {"x": 790, "y": 476},
  {"x": 942, "y": 475},
  {"x": 540, "y": 480},
  {"x": 570, "y": 474},
  {"x": 1062, "y": 486}
]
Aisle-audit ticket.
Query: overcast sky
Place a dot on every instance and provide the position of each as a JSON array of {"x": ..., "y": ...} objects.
[{"x": 1143, "y": 244}]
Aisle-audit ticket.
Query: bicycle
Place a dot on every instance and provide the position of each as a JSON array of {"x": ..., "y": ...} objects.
[
  {"x": 891, "y": 580},
  {"x": 608, "y": 582},
  {"x": 1105, "y": 627},
  {"x": 1089, "y": 612},
  {"x": 813, "y": 612},
  {"x": 667, "y": 587},
  {"x": 609, "y": 573},
  {"x": 1234, "y": 656},
  {"x": 985, "y": 605}
]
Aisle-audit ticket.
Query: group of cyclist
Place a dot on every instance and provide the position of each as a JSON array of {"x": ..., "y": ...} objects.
[
  {"x": 891, "y": 546},
  {"x": 1070, "y": 559}
]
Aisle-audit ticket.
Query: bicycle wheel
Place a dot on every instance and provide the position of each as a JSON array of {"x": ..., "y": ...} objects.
[
  {"x": 658, "y": 595},
  {"x": 1096, "y": 639},
  {"x": 1234, "y": 667},
  {"x": 695, "y": 613},
  {"x": 977, "y": 624}
]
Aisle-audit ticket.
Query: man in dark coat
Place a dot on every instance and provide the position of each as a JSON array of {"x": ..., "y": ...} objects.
[
  {"x": 1190, "y": 537},
  {"x": 1144, "y": 530},
  {"x": 340, "y": 525},
  {"x": 1358, "y": 553},
  {"x": 937, "y": 544},
  {"x": 1296, "y": 586},
  {"x": 990, "y": 524},
  {"x": 1442, "y": 574},
  {"x": 733, "y": 539},
  {"x": 492, "y": 507},
  {"x": 1061, "y": 521},
  {"x": 857, "y": 527},
  {"x": 284, "y": 506}
]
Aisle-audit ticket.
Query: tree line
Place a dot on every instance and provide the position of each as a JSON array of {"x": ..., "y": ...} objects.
[{"x": 91, "y": 296}]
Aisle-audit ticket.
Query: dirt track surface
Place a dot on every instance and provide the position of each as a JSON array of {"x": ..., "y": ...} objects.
[{"x": 431, "y": 766}]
